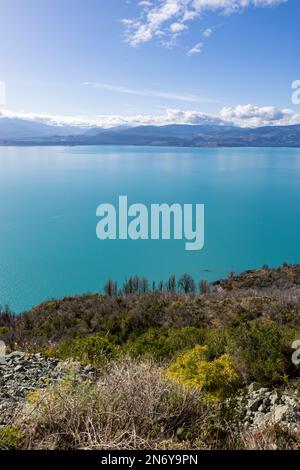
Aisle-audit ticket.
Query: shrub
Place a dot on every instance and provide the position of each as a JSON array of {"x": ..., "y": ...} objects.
[
  {"x": 3, "y": 330},
  {"x": 96, "y": 350},
  {"x": 260, "y": 351},
  {"x": 10, "y": 438},
  {"x": 164, "y": 344},
  {"x": 217, "y": 379},
  {"x": 219, "y": 341}
]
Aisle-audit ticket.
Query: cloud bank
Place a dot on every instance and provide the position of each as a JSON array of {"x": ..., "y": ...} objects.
[
  {"x": 169, "y": 18},
  {"x": 242, "y": 116}
]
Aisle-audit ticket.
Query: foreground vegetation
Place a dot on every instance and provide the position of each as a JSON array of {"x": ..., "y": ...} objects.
[
  {"x": 170, "y": 362},
  {"x": 132, "y": 406}
]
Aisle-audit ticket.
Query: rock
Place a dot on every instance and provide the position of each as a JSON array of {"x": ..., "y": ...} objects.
[
  {"x": 261, "y": 420},
  {"x": 254, "y": 405},
  {"x": 274, "y": 398},
  {"x": 262, "y": 407},
  {"x": 280, "y": 412},
  {"x": 15, "y": 354},
  {"x": 253, "y": 387},
  {"x": 290, "y": 401},
  {"x": 263, "y": 391}
]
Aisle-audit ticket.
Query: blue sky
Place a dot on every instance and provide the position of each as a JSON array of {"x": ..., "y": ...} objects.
[{"x": 87, "y": 58}]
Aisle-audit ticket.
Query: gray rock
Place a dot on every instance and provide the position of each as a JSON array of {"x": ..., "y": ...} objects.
[
  {"x": 261, "y": 420},
  {"x": 280, "y": 412},
  {"x": 15, "y": 354},
  {"x": 254, "y": 387},
  {"x": 262, "y": 406},
  {"x": 254, "y": 404},
  {"x": 274, "y": 398}
]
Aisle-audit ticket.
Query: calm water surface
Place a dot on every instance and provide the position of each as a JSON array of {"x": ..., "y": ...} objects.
[{"x": 49, "y": 196}]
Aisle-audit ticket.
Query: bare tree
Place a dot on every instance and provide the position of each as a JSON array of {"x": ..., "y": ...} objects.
[
  {"x": 203, "y": 287},
  {"x": 161, "y": 286},
  {"x": 186, "y": 284},
  {"x": 111, "y": 288},
  {"x": 144, "y": 285},
  {"x": 171, "y": 283}
]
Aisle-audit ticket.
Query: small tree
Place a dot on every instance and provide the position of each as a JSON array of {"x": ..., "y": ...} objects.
[
  {"x": 132, "y": 285},
  {"x": 171, "y": 284},
  {"x": 144, "y": 285},
  {"x": 111, "y": 288},
  {"x": 203, "y": 287},
  {"x": 186, "y": 284},
  {"x": 128, "y": 286},
  {"x": 161, "y": 286}
]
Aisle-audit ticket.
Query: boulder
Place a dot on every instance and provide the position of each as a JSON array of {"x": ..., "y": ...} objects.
[{"x": 280, "y": 413}]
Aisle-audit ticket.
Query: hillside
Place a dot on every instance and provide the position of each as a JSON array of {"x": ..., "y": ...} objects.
[
  {"x": 215, "y": 369},
  {"x": 24, "y": 132},
  {"x": 263, "y": 294}
]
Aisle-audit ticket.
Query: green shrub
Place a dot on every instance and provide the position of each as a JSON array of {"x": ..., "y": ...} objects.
[
  {"x": 3, "y": 330},
  {"x": 260, "y": 351},
  {"x": 217, "y": 379},
  {"x": 219, "y": 341},
  {"x": 10, "y": 438},
  {"x": 95, "y": 350},
  {"x": 164, "y": 344}
]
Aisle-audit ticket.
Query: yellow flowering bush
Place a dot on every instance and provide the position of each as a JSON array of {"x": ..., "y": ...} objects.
[{"x": 217, "y": 379}]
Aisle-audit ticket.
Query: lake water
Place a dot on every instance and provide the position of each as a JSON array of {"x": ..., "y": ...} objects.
[{"x": 49, "y": 196}]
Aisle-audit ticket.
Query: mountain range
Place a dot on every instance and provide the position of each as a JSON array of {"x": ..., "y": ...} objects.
[{"x": 25, "y": 132}]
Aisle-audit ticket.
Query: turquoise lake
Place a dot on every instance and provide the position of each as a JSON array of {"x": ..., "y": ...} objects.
[{"x": 49, "y": 196}]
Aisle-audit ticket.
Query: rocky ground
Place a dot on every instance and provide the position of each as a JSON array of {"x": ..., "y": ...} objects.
[
  {"x": 262, "y": 407},
  {"x": 22, "y": 373}
]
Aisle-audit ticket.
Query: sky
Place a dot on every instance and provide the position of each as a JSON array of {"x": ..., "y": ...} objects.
[{"x": 98, "y": 62}]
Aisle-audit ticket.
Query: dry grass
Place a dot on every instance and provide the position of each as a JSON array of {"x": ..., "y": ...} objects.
[
  {"x": 273, "y": 437},
  {"x": 132, "y": 406}
]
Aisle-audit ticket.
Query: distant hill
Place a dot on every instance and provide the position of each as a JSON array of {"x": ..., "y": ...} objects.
[
  {"x": 16, "y": 129},
  {"x": 25, "y": 132}
]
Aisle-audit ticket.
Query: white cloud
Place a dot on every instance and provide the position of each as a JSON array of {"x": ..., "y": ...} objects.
[
  {"x": 207, "y": 33},
  {"x": 150, "y": 93},
  {"x": 242, "y": 116},
  {"x": 255, "y": 116},
  {"x": 177, "y": 27},
  {"x": 145, "y": 3},
  {"x": 196, "y": 49},
  {"x": 159, "y": 16}
]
